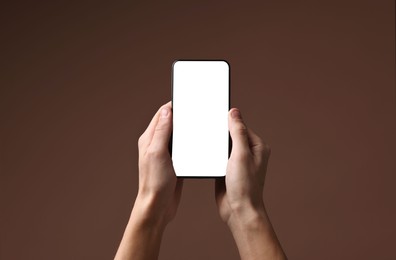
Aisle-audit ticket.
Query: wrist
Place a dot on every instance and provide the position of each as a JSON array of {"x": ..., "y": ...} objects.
[
  {"x": 247, "y": 217},
  {"x": 143, "y": 234},
  {"x": 254, "y": 235},
  {"x": 147, "y": 214}
]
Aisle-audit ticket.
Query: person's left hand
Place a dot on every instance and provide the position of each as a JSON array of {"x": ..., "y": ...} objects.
[{"x": 159, "y": 189}]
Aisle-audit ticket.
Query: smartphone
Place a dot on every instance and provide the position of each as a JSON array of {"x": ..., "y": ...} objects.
[{"x": 200, "y": 143}]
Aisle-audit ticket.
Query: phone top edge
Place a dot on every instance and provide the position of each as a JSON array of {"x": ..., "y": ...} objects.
[
  {"x": 200, "y": 177},
  {"x": 223, "y": 60}
]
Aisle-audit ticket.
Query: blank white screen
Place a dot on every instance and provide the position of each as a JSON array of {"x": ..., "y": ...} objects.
[{"x": 200, "y": 118}]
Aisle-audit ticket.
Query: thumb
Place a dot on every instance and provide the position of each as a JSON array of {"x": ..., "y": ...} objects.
[
  {"x": 238, "y": 132},
  {"x": 162, "y": 130}
]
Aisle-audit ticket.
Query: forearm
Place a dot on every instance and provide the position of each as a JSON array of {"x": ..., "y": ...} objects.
[
  {"x": 142, "y": 236},
  {"x": 254, "y": 235}
]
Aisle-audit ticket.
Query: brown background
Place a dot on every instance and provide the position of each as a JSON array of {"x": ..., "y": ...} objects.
[{"x": 80, "y": 82}]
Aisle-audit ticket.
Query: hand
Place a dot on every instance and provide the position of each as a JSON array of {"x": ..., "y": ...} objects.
[
  {"x": 158, "y": 185},
  {"x": 239, "y": 194},
  {"x": 242, "y": 189},
  {"x": 159, "y": 191}
]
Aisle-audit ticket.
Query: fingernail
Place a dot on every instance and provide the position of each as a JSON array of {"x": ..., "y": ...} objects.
[
  {"x": 164, "y": 112},
  {"x": 236, "y": 114}
]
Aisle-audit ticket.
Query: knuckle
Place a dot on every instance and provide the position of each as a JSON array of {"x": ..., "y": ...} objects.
[
  {"x": 161, "y": 126},
  {"x": 263, "y": 150},
  {"x": 241, "y": 129},
  {"x": 154, "y": 153},
  {"x": 140, "y": 141},
  {"x": 260, "y": 143}
]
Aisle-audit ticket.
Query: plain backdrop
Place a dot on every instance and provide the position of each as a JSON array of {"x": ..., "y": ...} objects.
[{"x": 80, "y": 82}]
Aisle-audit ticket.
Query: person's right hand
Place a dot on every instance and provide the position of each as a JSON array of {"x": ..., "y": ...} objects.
[
  {"x": 242, "y": 188},
  {"x": 239, "y": 196}
]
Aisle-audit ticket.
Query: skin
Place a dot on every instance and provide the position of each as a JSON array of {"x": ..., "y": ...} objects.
[{"x": 238, "y": 195}]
